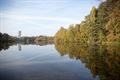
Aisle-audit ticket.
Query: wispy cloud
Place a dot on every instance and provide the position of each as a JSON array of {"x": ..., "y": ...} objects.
[{"x": 32, "y": 18}]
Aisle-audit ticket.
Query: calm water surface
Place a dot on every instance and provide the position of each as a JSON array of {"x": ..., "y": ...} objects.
[{"x": 51, "y": 62}]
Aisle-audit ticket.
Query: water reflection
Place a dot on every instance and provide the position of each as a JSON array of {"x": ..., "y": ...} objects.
[
  {"x": 19, "y": 47},
  {"x": 45, "y": 63},
  {"x": 102, "y": 61},
  {"x": 5, "y": 46}
]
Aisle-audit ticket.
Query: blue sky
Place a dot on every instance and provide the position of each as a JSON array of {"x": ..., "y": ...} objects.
[{"x": 42, "y": 17}]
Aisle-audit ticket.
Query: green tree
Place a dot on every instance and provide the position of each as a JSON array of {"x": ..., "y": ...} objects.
[{"x": 70, "y": 33}]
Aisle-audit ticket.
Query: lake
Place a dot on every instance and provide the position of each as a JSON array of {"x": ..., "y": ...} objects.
[{"x": 59, "y": 62}]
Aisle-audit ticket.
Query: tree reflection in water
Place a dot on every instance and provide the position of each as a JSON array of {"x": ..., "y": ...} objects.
[
  {"x": 102, "y": 61},
  {"x": 5, "y": 46}
]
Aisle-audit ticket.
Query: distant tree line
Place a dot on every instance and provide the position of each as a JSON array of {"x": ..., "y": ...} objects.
[
  {"x": 101, "y": 26},
  {"x": 27, "y": 39},
  {"x": 4, "y": 37},
  {"x": 47, "y": 39},
  {"x": 35, "y": 39}
]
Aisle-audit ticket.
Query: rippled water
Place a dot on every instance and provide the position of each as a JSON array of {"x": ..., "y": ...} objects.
[{"x": 47, "y": 62}]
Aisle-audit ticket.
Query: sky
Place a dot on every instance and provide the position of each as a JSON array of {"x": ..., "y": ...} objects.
[{"x": 42, "y": 17}]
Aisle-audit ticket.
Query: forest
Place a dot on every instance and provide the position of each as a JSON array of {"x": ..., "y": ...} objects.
[{"x": 101, "y": 26}]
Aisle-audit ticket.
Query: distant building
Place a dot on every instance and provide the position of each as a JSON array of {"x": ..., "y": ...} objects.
[{"x": 19, "y": 34}]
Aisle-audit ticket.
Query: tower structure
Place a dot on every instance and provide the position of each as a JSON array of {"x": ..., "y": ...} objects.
[{"x": 19, "y": 34}]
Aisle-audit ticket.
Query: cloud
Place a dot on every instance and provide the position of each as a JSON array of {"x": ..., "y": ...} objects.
[
  {"x": 40, "y": 18},
  {"x": 103, "y": 0}
]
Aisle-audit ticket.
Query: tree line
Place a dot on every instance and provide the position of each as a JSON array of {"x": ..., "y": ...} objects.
[
  {"x": 4, "y": 37},
  {"x": 101, "y": 26}
]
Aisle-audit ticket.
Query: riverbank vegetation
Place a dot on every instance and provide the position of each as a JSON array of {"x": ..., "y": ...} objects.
[{"x": 101, "y": 26}]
